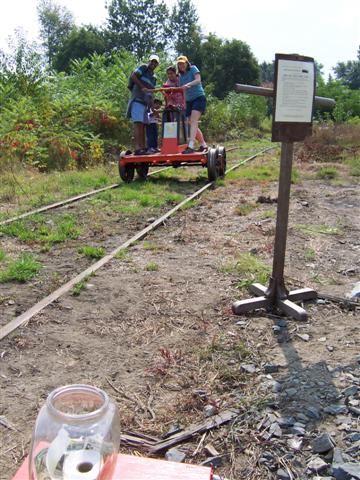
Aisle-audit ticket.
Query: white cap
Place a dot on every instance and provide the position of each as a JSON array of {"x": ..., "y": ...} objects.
[{"x": 154, "y": 57}]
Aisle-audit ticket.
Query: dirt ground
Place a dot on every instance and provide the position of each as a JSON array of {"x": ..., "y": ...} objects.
[{"x": 157, "y": 325}]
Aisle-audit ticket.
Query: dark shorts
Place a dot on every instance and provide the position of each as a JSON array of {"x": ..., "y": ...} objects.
[{"x": 198, "y": 104}]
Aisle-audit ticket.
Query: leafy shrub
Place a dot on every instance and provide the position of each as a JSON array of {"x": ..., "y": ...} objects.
[
  {"x": 72, "y": 120},
  {"x": 229, "y": 118}
]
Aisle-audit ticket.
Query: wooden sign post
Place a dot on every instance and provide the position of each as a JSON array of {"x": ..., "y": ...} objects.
[{"x": 294, "y": 94}]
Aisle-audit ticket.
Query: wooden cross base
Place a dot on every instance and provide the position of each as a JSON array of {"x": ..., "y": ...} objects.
[{"x": 270, "y": 301}]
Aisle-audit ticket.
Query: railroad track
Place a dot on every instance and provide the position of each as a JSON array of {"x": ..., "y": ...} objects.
[
  {"x": 83, "y": 196},
  {"x": 75, "y": 199},
  {"x": 39, "y": 306}
]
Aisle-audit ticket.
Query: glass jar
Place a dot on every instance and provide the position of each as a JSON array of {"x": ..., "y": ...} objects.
[{"x": 76, "y": 436}]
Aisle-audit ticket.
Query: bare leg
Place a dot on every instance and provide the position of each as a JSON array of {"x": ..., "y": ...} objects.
[
  {"x": 139, "y": 134},
  {"x": 194, "y": 125},
  {"x": 200, "y": 137}
]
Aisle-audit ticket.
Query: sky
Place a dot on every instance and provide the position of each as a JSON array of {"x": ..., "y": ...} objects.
[{"x": 328, "y": 30}]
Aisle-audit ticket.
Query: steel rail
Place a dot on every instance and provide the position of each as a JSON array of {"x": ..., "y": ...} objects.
[
  {"x": 82, "y": 196},
  {"x": 67, "y": 201},
  {"x": 39, "y": 306}
]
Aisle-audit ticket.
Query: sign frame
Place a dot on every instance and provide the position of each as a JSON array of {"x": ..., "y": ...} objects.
[{"x": 292, "y": 131}]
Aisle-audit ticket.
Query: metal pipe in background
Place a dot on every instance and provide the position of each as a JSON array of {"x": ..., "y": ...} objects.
[{"x": 269, "y": 92}]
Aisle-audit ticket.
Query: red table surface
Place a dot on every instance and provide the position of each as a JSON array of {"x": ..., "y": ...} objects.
[{"x": 139, "y": 468}]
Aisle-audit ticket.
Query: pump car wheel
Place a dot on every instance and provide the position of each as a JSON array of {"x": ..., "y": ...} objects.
[
  {"x": 212, "y": 164},
  {"x": 221, "y": 160},
  {"x": 126, "y": 171},
  {"x": 142, "y": 170}
]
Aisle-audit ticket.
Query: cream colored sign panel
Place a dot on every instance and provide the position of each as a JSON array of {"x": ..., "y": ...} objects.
[
  {"x": 295, "y": 91},
  {"x": 170, "y": 130}
]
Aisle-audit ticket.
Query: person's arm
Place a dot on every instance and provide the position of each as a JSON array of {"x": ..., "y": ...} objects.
[
  {"x": 143, "y": 86},
  {"x": 196, "y": 81}
]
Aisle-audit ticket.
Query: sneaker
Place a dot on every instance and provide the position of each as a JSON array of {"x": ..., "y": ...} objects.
[
  {"x": 152, "y": 150},
  {"x": 140, "y": 151},
  {"x": 187, "y": 151},
  {"x": 202, "y": 148}
]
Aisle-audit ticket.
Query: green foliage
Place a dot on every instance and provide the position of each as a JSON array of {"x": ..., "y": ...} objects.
[
  {"x": 347, "y": 101},
  {"x": 354, "y": 164},
  {"x": 21, "y": 70},
  {"x": 123, "y": 255},
  {"x": 20, "y": 270},
  {"x": 227, "y": 119},
  {"x": 321, "y": 229},
  {"x": 43, "y": 232},
  {"x": 75, "y": 120},
  {"x": 349, "y": 72},
  {"x": 92, "y": 252},
  {"x": 79, "y": 44},
  {"x": 139, "y": 26},
  {"x": 267, "y": 72},
  {"x": 56, "y": 22},
  {"x": 249, "y": 268},
  {"x": 2, "y": 255},
  {"x": 152, "y": 267},
  {"x": 309, "y": 254},
  {"x": 327, "y": 173},
  {"x": 267, "y": 214},
  {"x": 185, "y": 31},
  {"x": 78, "y": 288},
  {"x": 224, "y": 63},
  {"x": 244, "y": 208}
]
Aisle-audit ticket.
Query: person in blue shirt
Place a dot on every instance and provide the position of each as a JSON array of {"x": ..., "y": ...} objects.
[
  {"x": 190, "y": 80},
  {"x": 142, "y": 82}
]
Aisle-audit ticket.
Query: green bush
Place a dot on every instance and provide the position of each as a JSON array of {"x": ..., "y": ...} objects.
[
  {"x": 229, "y": 118},
  {"x": 71, "y": 120}
]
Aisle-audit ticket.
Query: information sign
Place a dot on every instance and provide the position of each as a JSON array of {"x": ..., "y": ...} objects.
[{"x": 294, "y": 92}]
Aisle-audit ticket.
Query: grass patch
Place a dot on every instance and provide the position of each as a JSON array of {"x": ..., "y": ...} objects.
[
  {"x": 28, "y": 187},
  {"x": 20, "y": 270},
  {"x": 190, "y": 204},
  {"x": 295, "y": 175},
  {"x": 244, "y": 209},
  {"x": 80, "y": 286},
  {"x": 123, "y": 255},
  {"x": 318, "y": 229},
  {"x": 2, "y": 255},
  {"x": 249, "y": 268},
  {"x": 224, "y": 354},
  {"x": 92, "y": 252},
  {"x": 40, "y": 231},
  {"x": 267, "y": 214},
  {"x": 309, "y": 254},
  {"x": 151, "y": 246},
  {"x": 255, "y": 173},
  {"x": 354, "y": 164},
  {"x": 327, "y": 173},
  {"x": 321, "y": 280},
  {"x": 152, "y": 267}
]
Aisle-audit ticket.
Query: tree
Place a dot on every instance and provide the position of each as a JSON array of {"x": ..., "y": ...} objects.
[
  {"x": 225, "y": 63},
  {"x": 81, "y": 43},
  {"x": 56, "y": 23},
  {"x": 22, "y": 67},
  {"x": 349, "y": 72},
  {"x": 267, "y": 72},
  {"x": 185, "y": 31},
  {"x": 210, "y": 62},
  {"x": 139, "y": 26}
]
